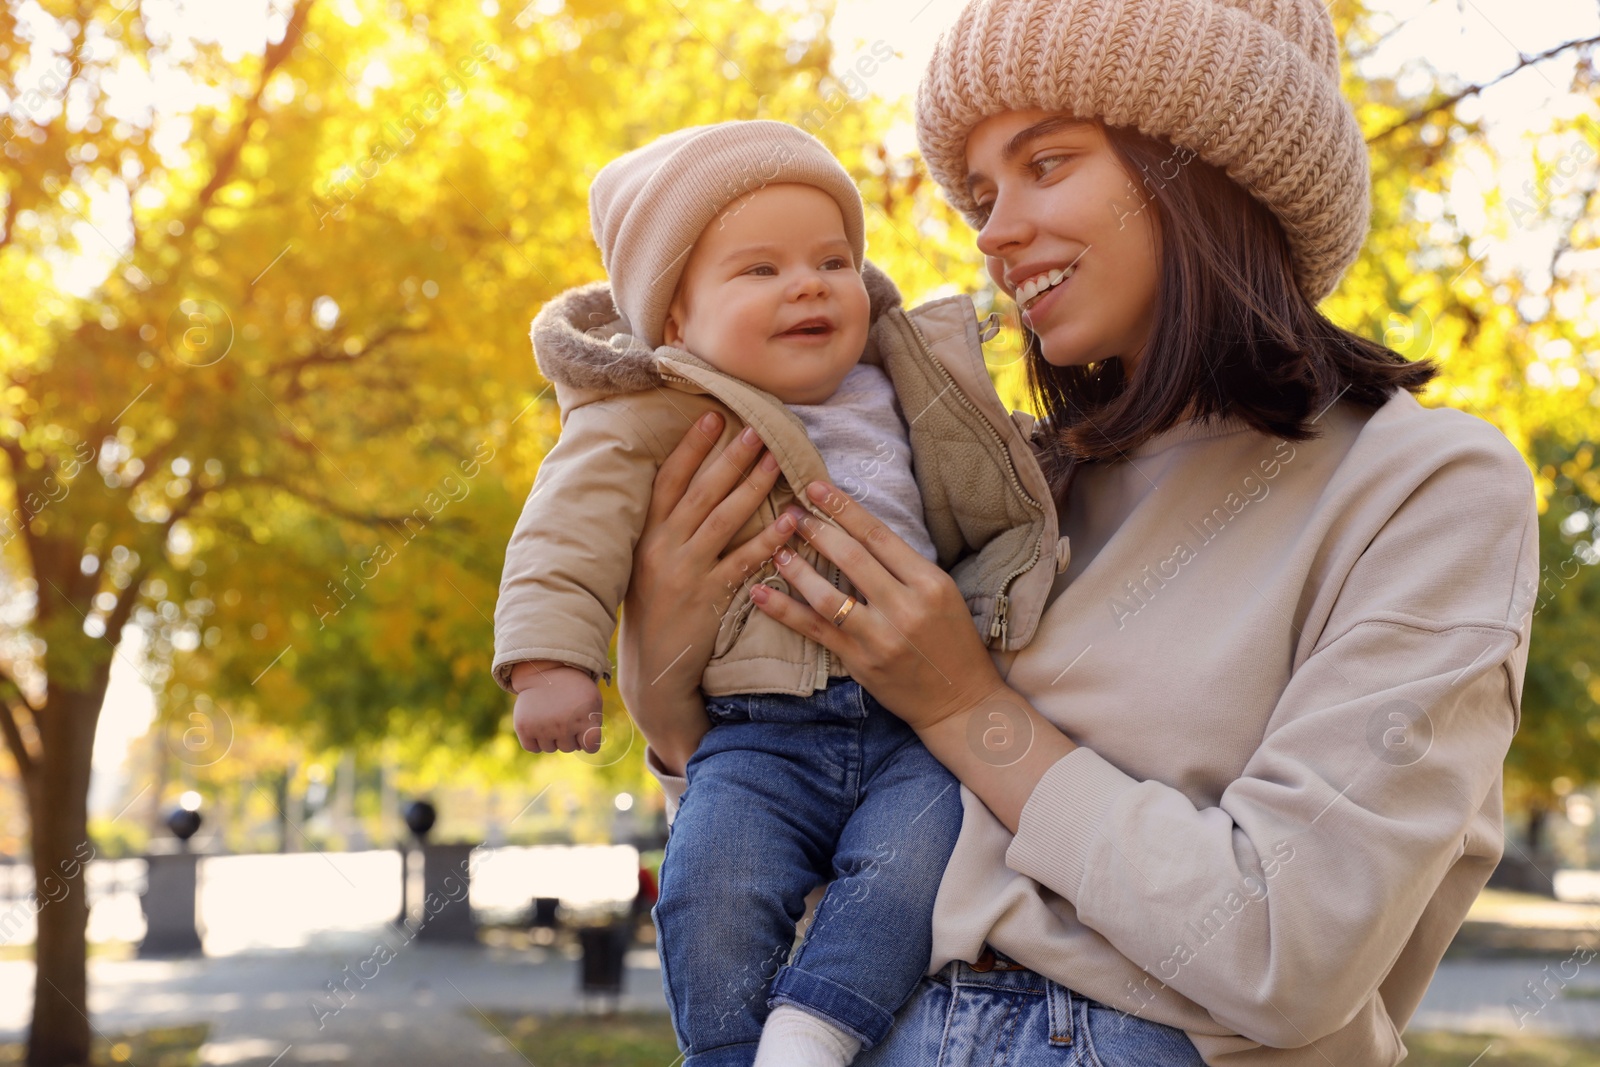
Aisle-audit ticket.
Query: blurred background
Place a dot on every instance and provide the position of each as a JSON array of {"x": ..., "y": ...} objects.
[{"x": 269, "y": 411}]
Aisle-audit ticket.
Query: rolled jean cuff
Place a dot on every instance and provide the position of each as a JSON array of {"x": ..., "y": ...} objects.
[
  {"x": 737, "y": 1055},
  {"x": 844, "y": 1008}
]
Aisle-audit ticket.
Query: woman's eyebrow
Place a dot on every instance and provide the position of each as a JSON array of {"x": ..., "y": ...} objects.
[{"x": 1015, "y": 146}]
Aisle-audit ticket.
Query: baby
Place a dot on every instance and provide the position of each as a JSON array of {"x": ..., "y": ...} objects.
[{"x": 739, "y": 284}]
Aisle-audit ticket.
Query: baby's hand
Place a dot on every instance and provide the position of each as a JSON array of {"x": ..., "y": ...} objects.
[{"x": 557, "y": 709}]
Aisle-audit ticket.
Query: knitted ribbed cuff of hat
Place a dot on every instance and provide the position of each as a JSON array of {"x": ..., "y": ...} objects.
[
  {"x": 1249, "y": 86},
  {"x": 648, "y": 208}
]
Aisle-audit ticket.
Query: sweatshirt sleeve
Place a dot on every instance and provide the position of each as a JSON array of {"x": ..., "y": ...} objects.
[
  {"x": 1282, "y": 908},
  {"x": 571, "y": 553}
]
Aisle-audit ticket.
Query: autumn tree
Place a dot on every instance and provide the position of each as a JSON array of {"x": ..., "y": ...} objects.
[
  {"x": 1558, "y": 745},
  {"x": 268, "y": 394},
  {"x": 1516, "y": 346},
  {"x": 268, "y": 391}
]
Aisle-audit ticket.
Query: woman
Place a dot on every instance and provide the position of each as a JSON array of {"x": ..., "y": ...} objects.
[{"x": 1234, "y": 799}]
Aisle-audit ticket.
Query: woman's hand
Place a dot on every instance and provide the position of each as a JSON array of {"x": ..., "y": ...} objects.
[
  {"x": 682, "y": 584},
  {"x": 910, "y": 642},
  {"x": 912, "y": 645}
]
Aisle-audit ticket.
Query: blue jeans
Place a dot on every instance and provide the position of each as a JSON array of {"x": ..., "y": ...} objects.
[
  {"x": 1004, "y": 1013},
  {"x": 783, "y": 793}
]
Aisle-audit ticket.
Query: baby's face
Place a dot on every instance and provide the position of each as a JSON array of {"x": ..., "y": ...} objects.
[{"x": 771, "y": 295}]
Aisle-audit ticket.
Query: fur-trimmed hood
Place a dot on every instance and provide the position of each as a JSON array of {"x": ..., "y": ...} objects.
[
  {"x": 623, "y": 407},
  {"x": 577, "y": 343}
]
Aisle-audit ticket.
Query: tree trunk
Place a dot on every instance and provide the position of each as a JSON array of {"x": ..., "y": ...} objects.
[
  {"x": 284, "y": 844},
  {"x": 58, "y": 811},
  {"x": 155, "y": 822},
  {"x": 1536, "y": 822}
]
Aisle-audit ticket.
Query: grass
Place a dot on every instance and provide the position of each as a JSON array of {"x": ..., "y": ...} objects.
[
  {"x": 645, "y": 1040},
  {"x": 626, "y": 1039},
  {"x": 1483, "y": 1050},
  {"x": 638, "y": 1040},
  {"x": 1510, "y": 908},
  {"x": 167, "y": 1046},
  {"x": 1504, "y": 924},
  {"x": 111, "y": 950}
]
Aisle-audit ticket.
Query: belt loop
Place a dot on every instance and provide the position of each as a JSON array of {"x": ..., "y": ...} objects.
[{"x": 1060, "y": 1000}]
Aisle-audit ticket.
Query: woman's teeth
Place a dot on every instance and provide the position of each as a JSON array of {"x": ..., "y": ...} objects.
[{"x": 1036, "y": 287}]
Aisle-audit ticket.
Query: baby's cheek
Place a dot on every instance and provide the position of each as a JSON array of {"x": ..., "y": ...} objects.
[
  {"x": 740, "y": 334},
  {"x": 857, "y": 308},
  {"x": 725, "y": 345}
]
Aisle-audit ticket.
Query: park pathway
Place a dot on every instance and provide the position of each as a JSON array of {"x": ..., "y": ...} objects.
[
  {"x": 280, "y": 929},
  {"x": 1493, "y": 997},
  {"x": 423, "y": 1008}
]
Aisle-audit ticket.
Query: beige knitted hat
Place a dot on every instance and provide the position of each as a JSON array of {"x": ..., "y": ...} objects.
[
  {"x": 648, "y": 208},
  {"x": 1250, "y": 86}
]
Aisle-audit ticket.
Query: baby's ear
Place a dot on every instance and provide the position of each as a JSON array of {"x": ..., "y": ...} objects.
[{"x": 671, "y": 331}]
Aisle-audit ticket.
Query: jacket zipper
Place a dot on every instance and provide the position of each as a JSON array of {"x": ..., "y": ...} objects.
[
  {"x": 832, "y": 567},
  {"x": 1011, "y": 469},
  {"x": 1002, "y": 605},
  {"x": 1000, "y": 626}
]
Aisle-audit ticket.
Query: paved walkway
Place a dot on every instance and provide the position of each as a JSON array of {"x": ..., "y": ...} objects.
[
  {"x": 424, "y": 1007},
  {"x": 1494, "y": 997}
]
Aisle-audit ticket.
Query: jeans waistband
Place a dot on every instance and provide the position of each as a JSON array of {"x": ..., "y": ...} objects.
[
  {"x": 995, "y": 970},
  {"x": 841, "y": 701},
  {"x": 998, "y": 972}
]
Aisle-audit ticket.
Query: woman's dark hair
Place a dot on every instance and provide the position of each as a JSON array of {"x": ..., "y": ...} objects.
[{"x": 1232, "y": 333}]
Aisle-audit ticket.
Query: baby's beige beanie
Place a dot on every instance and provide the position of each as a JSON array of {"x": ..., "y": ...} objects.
[
  {"x": 648, "y": 208},
  {"x": 1250, "y": 86}
]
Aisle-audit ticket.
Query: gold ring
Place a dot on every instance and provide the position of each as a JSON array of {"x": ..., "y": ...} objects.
[{"x": 845, "y": 609}]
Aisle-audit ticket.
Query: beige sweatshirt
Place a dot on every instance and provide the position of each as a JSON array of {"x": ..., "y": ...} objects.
[{"x": 1294, "y": 669}]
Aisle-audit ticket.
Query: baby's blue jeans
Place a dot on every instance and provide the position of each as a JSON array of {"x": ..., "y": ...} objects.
[{"x": 783, "y": 793}]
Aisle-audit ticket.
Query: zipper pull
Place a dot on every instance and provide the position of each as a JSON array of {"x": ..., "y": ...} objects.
[{"x": 997, "y": 628}]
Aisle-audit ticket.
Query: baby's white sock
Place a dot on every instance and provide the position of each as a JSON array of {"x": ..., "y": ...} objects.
[{"x": 794, "y": 1038}]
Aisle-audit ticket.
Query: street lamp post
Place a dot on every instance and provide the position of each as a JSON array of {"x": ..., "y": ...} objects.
[
  {"x": 444, "y": 911},
  {"x": 169, "y": 896},
  {"x": 419, "y": 818}
]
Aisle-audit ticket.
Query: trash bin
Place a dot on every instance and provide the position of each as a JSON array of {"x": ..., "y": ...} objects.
[
  {"x": 544, "y": 913},
  {"x": 604, "y": 948}
]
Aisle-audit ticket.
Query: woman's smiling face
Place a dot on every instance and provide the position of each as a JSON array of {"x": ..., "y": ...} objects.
[{"x": 1058, "y": 204}]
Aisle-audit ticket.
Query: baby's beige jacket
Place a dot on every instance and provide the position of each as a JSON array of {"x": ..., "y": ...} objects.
[{"x": 625, "y": 406}]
